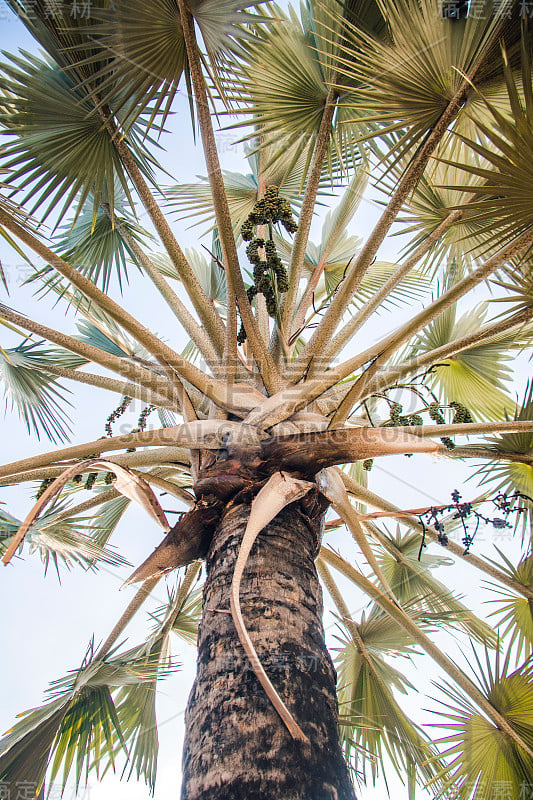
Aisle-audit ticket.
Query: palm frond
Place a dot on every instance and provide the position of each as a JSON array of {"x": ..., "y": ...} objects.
[
  {"x": 282, "y": 84},
  {"x": 481, "y": 755},
  {"x": 141, "y": 50},
  {"x": 514, "y": 476},
  {"x": 442, "y": 188},
  {"x": 58, "y": 152},
  {"x": 136, "y": 708},
  {"x": 94, "y": 244},
  {"x": 475, "y": 377},
  {"x": 105, "y": 521},
  {"x": 136, "y": 703},
  {"x": 412, "y": 582},
  {"x": 518, "y": 282},
  {"x": 38, "y": 397},
  {"x": 79, "y": 728},
  {"x": 374, "y": 729},
  {"x": 405, "y": 81},
  {"x": 515, "y": 612},
  {"x": 68, "y": 541},
  {"x": 211, "y": 276},
  {"x": 502, "y": 200},
  {"x": 186, "y": 618}
]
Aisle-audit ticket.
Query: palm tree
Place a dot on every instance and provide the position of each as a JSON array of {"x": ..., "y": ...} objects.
[{"x": 281, "y": 400}]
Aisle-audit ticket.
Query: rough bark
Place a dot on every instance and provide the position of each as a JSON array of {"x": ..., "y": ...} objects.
[{"x": 236, "y": 746}]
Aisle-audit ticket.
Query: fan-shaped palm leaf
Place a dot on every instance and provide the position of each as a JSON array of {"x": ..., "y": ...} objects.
[
  {"x": 408, "y": 80},
  {"x": 210, "y": 275},
  {"x": 372, "y": 722},
  {"x": 441, "y": 188},
  {"x": 476, "y": 376},
  {"x": 38, "y": 397},
  {"x": 58, "y": 150},
  {"x": 80, "y": 725},
  {"x": 504, "y": 199},
  {"x": 242, "y": 190},
  {"x": 482, "y": 756},
  {"x": 68, "y": 540},
  {"x": 412, "y": 582},
  {"x": 142, "y": 53},
  {"x": 283, "y": 80},
  {"x": 515, "y": 611},
  {"x": 186, "y": 617},
  {"x": 136, "y": 703},
  {"x": 94, "y": 245},
  {"x": 107, "y": 518},
  {"x": 514, "y": 476},
  {"x": 518, "y": 281}
]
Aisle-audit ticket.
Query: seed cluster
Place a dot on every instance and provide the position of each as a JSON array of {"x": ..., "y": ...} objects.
[
  {"x": 143, "y": 417},
  {"x": 43, "y": 486},
  {"x": 461, "y": 415},
  {"x": 398, "y": 419},
  {"x": 268, "y": 271},
  {"x": 119, "y": 410}
]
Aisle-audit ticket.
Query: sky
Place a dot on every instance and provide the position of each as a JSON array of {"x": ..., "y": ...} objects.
[{"x": 47, "y": 623}]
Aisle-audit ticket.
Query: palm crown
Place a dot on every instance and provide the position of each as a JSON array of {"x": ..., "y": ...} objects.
[{"x": 428, "y": 106}]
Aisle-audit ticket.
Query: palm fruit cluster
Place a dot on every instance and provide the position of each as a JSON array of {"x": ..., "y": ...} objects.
[
  {"x": 119, "y": 410},
  {"x": 91, "y": 478},
  {"x": 270, "y": 209},
  {"x": 267, "y": 211},
  {"x": 43, "y": 486},
  {"x": 143, "y": 417},
  {"x": 397, "y": 418},
  {"x": 461, "y": 415},
  {"x": 438, "y": 418}
]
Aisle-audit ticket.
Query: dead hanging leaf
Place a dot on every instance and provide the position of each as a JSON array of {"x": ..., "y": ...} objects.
[
  {"x": 137, "y": 489},
  {"x": 331, "y": 485},
  {"x": 280, "y": 490},
  {"x": 130, "y": 485}
]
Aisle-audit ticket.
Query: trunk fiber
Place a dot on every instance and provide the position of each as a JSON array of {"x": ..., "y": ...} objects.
[{"x": 236, "y": 746}]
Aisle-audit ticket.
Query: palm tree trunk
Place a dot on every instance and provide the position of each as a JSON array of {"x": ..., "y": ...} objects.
[{"x": 236, "y": 746}]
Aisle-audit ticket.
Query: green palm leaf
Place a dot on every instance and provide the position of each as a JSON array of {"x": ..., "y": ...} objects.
[
  {"x": 141, "y": 50},
  {"x": 242, "y": 190},
  {"x": 442, "y": 188},
  {"x": 512, "y": 477},
  {"x": 413, "y": 583},
  {"x": 283, "y": 80},
  {"x": 57, "y": 150},
  {"x": 94, "y": 244},
  {"x": 136, "y": 703},
  {"x": 503, "y": 199},
  {"x": 68, "y": 540},
  {"x": 373, "y": 726},
  {"x": 79, "y": 728},
  {"x": 211, "y": 276},
  {"x": 107, "y": 518},
  {"x": 186, "y": 617},
  {"x": 481, "y": 755},
  {"x": 515, "y": 612},
  {"x": 475, "y": 377},
  {"x": 518, "y": 282},
  {"x": 406, "y": 81},
  {"x": 136, "y": 709},
  {"x": 38, "y": 397}
]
